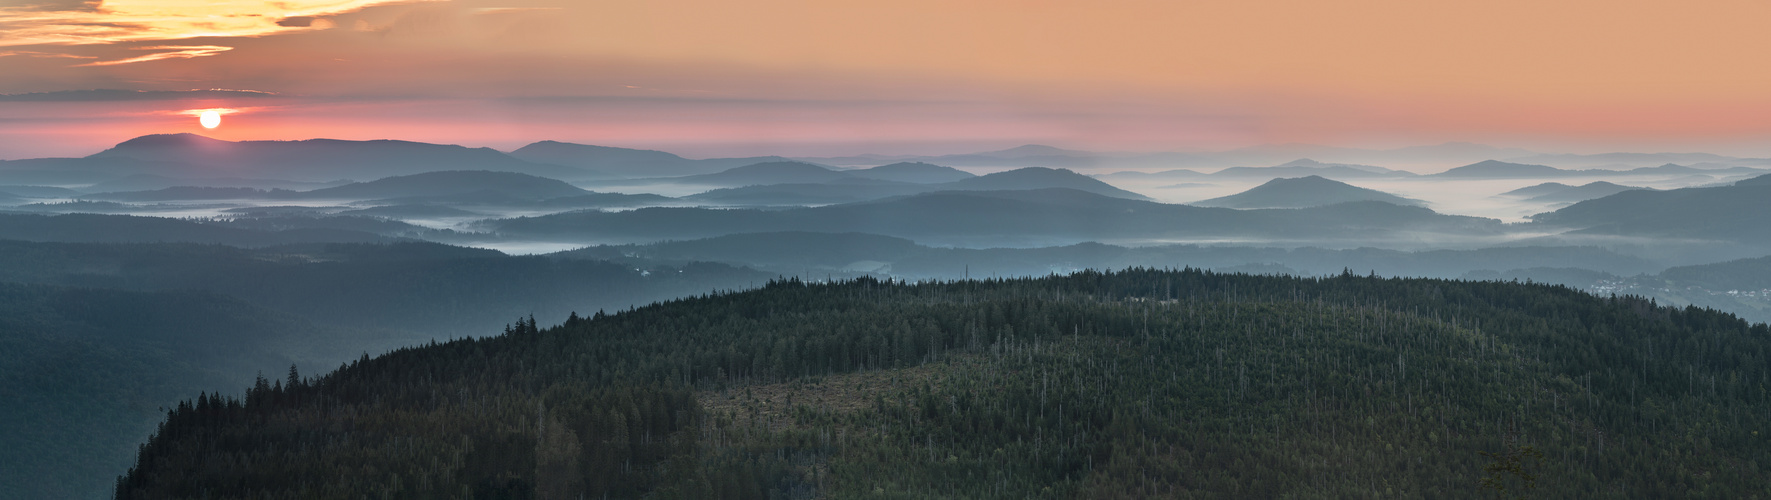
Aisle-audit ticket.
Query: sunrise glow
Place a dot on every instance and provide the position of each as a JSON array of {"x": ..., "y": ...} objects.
[
  {"x": 209, "y": 119},
  {"x": 1126, "y": 74}
]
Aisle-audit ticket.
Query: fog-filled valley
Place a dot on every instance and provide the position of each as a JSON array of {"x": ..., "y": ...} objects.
[{"x": 175, "y": 265}]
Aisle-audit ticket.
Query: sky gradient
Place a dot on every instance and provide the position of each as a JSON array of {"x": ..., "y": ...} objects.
[{"x": 815, "y": 77}]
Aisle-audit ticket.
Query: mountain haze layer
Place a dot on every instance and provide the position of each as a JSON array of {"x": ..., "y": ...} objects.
[{"x": 1303, "y": 192}]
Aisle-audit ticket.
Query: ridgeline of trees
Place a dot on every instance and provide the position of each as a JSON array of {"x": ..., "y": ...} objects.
[
  {"x": 1095, "y": 385},
  {"x": 439, "y": 290}
]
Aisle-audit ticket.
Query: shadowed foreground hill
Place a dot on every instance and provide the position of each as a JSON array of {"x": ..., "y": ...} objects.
[
  {"x": 85, "y": 372},
  {"x": 1132, "y": 384}
]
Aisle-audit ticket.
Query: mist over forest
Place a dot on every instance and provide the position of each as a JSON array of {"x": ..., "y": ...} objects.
[{"x": 147, "y": 285}]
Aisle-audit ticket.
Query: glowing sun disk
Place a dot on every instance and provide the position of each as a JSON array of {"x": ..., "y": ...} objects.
[{"x": 209, "y": 119}]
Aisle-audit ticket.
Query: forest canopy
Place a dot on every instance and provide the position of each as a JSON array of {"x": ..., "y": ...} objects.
[{"x": 1138, "y": 383}]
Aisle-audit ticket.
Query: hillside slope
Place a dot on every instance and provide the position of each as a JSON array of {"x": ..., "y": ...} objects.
[
  {"x": 1095, "y": 385},
  {"x": 1726, "y": 213},
  {"x": 84, "y": 373},
  {"x": 1303, "y": 192}
]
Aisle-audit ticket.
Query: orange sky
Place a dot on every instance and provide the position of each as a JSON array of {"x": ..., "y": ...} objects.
[{"x": 826, "y": 77}]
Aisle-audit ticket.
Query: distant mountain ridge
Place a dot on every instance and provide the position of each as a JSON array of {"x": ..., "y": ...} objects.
[
  {"x": 1739, "y": 213},
  {"x": 313, "y": 159},
  {"x": 1495, "y": 169},
  {"x": 1034, "y": 155},
  {"x": 914, "y": 172},
  {"x": 797, "y": 251},
  {"x": 1308, "y": 167},
  {"x": 1303, "y": 192},
  {"x": 1636, "y": 159},
  {"x": 1041, "y": 215},
  {"x": 774, "y": 172},
  {"x": 824, "y": 186},
  {"x": 636, "y": 163},
  {"x": 450, "y": 182},
  {"x": 449, "y": 187},
  {"x": 1555, "y": 192}
]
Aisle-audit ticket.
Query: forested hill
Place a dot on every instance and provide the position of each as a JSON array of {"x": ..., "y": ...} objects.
[{"x": 1095, "y": 385}]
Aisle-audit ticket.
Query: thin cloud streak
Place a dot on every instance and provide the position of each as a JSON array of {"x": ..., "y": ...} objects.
[
  {"x": 120, "y": 21},
  {"x": 52, "y": 55},
  {"x": 177, "y": 52}
]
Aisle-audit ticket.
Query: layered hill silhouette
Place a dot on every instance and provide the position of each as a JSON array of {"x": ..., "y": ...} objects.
[
  {"x": 637, "y": 163},
  {"x": 452, "y": 187},
  {"x": 1494, "y": 169},
  {"x": 852, "y": 186},
  {"x": 1303, "y": 192},
  {"x": 796, "y": 172},
  {"x": 1308, "y": 167},
  {"x": 180, "y": 193},
  {"x": 39, "y": 192},
  {"x": 1058, "y": 215},
  {"x": 1039, "y": 178},
  {"x": 774, "y": 172},
  {"x": 190, "y": 155},
  {"x": 1164, "y": 175},
  {"x": 78, "y": 171},
  {"x": 149, "y": 182},
  {"x": 97, "y": 228},
  {"x": 1741, "y": 212},
  {"x": 852, "y": 254},
  {"x": 1537, "y": 190},
  {"x": 1302, "y": 167},
  {"x": 450, "y": 183},
  {"x": 914, "y": 172},
  {"x": 1034, "y": 155},
  {"x": 1555, "y": 192}
]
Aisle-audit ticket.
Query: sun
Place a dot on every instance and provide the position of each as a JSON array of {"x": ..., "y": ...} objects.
[{"x": 209, "y": 118}]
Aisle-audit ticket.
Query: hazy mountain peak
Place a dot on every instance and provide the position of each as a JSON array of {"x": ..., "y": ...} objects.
[
  {"x": 1537, "y": 190},
  {"x": 768, "y": 172},
  {"x": 1763, "y": 180},
  {"x": 552, "y": 147},
  {"x": 1041, "y": 178},
  {"x": 452, "y": 182},
  {"x": 916, "y": 172},
  {"x": 310, "y": 160},
  {"x": 1501, "y": 169},
  {"x": 1303, "y": 192},
  {"x": 1561, "y": 193},
  {"x": 162, "y": 141},
  {"x": 1035, "y": 150},
  {"x": 780, "y": 166}
]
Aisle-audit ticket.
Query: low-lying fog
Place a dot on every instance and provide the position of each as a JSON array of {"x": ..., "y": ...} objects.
[
  {"x": 1473, "y": 197},
  {"x": 1469, "y": 197}
]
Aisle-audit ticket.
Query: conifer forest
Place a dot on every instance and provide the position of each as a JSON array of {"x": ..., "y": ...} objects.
[{"x": 1139, "y": 383}]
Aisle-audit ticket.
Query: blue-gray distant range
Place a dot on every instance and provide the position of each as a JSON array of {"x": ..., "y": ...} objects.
[
  {"x": 180, "y": 263},
  {"x": 560, "y": 193},
  {"x": 1304, "y": 192}
]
